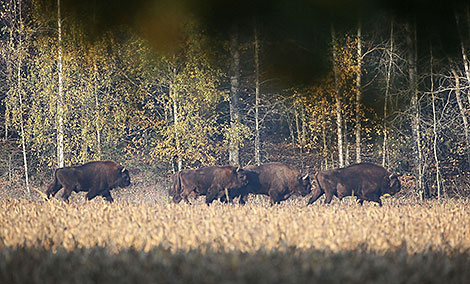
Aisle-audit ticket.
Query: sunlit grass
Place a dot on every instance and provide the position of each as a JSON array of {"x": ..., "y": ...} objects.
[
  {"x": 160, "y": 242},
  {"x": 442, "y": 226}
]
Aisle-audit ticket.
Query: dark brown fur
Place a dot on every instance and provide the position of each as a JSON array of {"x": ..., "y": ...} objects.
[
  {"x": 367, "y": 180},
  {"x": 277, "y": 180},
  {"x": 209, "y": 181},
  {"x": 97, "y": 178}
]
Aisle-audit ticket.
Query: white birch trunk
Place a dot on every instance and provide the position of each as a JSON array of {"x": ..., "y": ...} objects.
[
  {"x": 387, "y": 94},
  {"x": 461, "y": 108},
  {"x": 339, "y": 118},
  {"x": 435, "y": 138},
  {"x": 257, "y": 101},
  {"x": 98, "y": 111},
  {"x": 358, "y": 94},
  {"x": 60, "y": 98},
  {"x": 174, "y": 96},
  {"x": 325, "y": 146},
  {"x": 464, "y": 53},
  {"x": 20, "y": 97},
  {"x": 234, "y": 158},
  {"x": 415, "y": 109}
]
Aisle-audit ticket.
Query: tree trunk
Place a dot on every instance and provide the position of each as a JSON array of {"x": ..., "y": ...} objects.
[
  {"x": 434, "y": 128},
  {"x": 234, "y": 158},
  {"x": 300, "y": 136},
  {"x": 10, "y": 168},
  {"x": 462, "y": 110},
  {"x": 415, "y": 109},
  {"x": 325, "y": 146},
  {"x": 257, "y": 101},
  {"x": 346, "y": 143},
  {"x": 468, "y": 19},
  {"x": 98, "y": 111},
  {"x": 304, "y": 137},
  {"x": 464, "y": 54},
  {"x": 9, "y": 70},
  {"x": 174, "y": 96},
  {"x": 20, "y": 96},
  {"x": 339, "y": 118},
  {"x": 387, "y": 94},
  {"x": 358, "y": 95},
  {"x": 60, "y": 98}
]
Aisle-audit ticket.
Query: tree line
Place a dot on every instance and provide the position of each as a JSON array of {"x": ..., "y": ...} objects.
[{"x": 386, "y": 97}]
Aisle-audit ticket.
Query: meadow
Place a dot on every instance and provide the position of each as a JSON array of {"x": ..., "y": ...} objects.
[{"x": 142, "y": 238}]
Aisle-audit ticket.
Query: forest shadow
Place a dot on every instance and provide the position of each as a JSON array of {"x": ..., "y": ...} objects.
[{"x": 290, "y": 265}]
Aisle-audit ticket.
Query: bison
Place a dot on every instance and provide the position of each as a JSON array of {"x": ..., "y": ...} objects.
[
  {"x": 213, "y": 182},
  {"x": 277, "y": 180},
  {"x": 367, "y": 180},
  {"x": 96, "y": 178}
]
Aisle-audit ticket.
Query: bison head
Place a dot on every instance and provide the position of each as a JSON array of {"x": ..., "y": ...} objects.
[
  {"x": 394, "y": 184},
  {"x": 124, "y": 178},
  {"x": 241, "y": 177},
  {"x": 304, "y": 186}
]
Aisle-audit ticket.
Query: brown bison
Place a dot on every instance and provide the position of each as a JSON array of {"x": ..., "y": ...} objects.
[
  {"x": 367, "y": 180},
  {"x": 277, "y": 180},
  {"x": 97, "y": 178},
  {"x": 213, "y": 182}
]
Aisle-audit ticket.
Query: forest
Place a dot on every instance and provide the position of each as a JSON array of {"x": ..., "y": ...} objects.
[{"x": 161, "y": 86}]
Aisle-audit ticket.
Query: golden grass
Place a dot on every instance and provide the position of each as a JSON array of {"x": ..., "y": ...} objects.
[
  {"x": 97, "y": 242},
  {"x": 439, "y": 226}
]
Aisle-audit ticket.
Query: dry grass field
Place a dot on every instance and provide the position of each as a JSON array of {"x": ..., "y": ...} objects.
[{"x": 150, "y": 240}]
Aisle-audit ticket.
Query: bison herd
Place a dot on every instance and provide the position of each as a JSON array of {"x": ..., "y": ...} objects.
[{"x": 278, "y": 181}]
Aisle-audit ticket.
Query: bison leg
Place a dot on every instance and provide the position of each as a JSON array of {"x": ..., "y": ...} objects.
[
  {"x": 377, "y": 199},
  {"x": 318, "y": 192},
  {"x": 91, "y": 194},
  {"x": 275, "y": 198},
  {"x": 243, "y": 198},
  {"x": 328, "y": 198},
  {"x": 176, "y": 198},
  {"x": 186, "y": 195},
  {"x": 107, "y": 196},
  {"x": 225, "y": 197},
  {"x": 67, "y": 192},
  {"x": 212, "y": 193}
]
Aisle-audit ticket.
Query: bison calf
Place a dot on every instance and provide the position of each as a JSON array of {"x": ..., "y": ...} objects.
[
  {"x": 367, "y": 180},
  {"x": 97, "y": 178}
]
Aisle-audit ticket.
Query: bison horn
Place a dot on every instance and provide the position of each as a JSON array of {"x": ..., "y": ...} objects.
[
  {"x": 123, "y": 170},
  {"x": 238, "y": 169},
  {"x": 305, "y": 177}
]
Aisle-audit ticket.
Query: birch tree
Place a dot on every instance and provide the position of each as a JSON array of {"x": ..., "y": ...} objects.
[
  {"x": 463, "y": 52},
  {"x": 60, "y": 98},
  {"x": 461, "y": 109},
  {"x": 414, "y": 106},
  {"x": 20, "y": 91},
  {"x": 338, "y": 104},
  {"x": 387, "y": 95},
  {"x": 257, "y": 97},
  {"x": 358, "y": 93},
  {"x": 434, "y": 128},
  {"x": 235, "y": 120}
]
